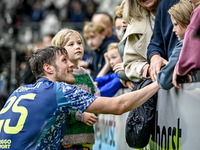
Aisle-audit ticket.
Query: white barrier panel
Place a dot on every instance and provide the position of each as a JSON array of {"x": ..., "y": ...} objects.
[
  {"x": 178, "y": 118},
  {"x": 177, "y": 124}
]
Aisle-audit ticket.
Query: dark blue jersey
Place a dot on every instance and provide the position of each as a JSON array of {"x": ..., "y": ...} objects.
[{"x": 35, "y": 116}]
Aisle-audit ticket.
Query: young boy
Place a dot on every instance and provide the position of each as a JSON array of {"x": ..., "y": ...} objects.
[
  {"x": 96, "y": 39},
  {"x": 79, "y": 132},
  {"x": 109, "y": 84},
  {"x": 180, "y": 17}
]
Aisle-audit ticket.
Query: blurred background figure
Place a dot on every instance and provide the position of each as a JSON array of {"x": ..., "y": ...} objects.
[
  {"x": 26, "y": 75},
  {"x": 98, "y": 43},
  {"x": 46, "y": 40},
  {"x": 107, "y": 20}
]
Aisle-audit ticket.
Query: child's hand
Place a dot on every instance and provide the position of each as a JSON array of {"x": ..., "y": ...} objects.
[
  {"x": 96, "y": 83},
  {"x": 130, "y": 85},
  {"x": 106, "y": 67},
  {"x": 106, "y": 58},
  {"x": 118, "y": 67},
  {"x": 123, "y": 82},
  {"x": 89, "y": 118}
]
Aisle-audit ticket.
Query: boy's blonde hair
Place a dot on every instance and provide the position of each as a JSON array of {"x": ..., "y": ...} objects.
[
  {"x": 62, "y": 37},
  {"x": 181, "y": 12},
  {"x": 112, "y": 46},
  {"x": 93, "y": 27}
]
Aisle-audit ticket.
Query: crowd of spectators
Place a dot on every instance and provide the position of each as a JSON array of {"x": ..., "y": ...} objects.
[{"x": 24, "y": 23}]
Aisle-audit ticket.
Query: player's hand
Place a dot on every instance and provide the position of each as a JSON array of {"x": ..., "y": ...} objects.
[
  {"x": 156, "y": 63},
  {"x": 89, "y": 118}
]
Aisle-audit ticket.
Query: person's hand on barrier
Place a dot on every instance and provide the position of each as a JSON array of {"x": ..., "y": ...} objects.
[
  {"x": 156, "y": 63},
  {"x": 188, "y": 78},
  {"x": 174, "y": 79},
  {"x": 118, "y": 67},
  {"x": 89, "y": 118}
]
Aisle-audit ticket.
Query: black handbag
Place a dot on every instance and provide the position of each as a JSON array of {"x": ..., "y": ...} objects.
[{"x": 140, "y": 121}]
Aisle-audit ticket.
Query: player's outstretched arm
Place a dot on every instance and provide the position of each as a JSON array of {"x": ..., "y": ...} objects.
[{"x": 123, "y": 103}]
